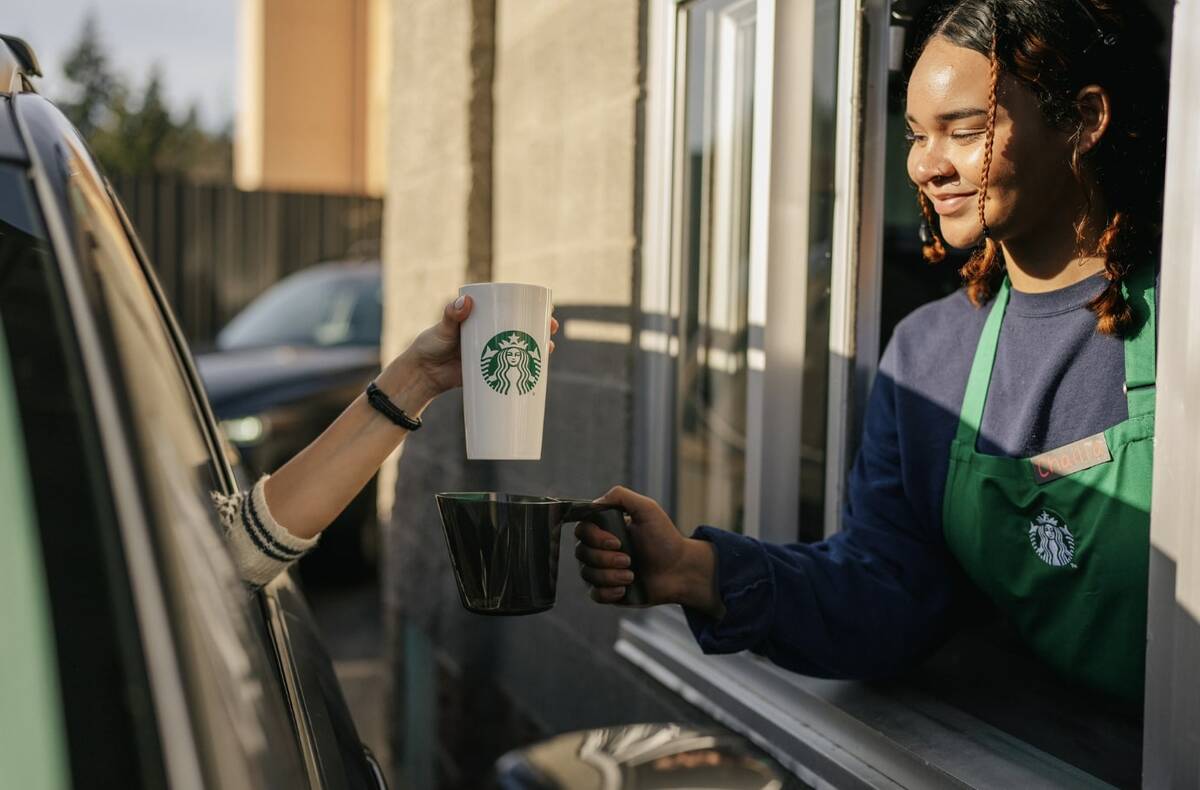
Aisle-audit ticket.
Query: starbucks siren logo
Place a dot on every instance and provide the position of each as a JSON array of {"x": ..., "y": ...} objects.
[
  {"x": 511, "y": 363},
  {"x": 1051, "y": 540}
]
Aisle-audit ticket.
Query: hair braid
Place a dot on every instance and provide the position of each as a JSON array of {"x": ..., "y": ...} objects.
[
  {"x": 1114, "y": 316},
  {"x": 932, "y": 248},
  {"x": 984, "y": 270}
]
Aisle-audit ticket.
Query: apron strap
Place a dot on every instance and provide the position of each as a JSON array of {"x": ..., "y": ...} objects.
[
  {"x": 971, "y": 416},
  {"x": 1138, "y": 289}
]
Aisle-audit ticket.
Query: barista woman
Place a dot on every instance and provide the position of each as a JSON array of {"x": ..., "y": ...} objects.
[{"x": 1037, "y": 138}]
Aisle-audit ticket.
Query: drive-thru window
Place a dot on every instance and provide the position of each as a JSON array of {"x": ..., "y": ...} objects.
[{"x": 781, "y": 247}]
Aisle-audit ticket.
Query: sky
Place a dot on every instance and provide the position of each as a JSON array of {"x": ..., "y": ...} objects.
[{"x": 194, "y": 42}]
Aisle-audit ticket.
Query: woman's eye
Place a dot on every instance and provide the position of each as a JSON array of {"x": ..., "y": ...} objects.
[
  {"x": 968, "y": 136},
  {"x": 913, "y": 137}
]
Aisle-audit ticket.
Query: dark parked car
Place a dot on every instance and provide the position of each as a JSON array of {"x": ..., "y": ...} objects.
[
  {"x": 133, "y": 654},
  {"x": 284, "y": 368}
]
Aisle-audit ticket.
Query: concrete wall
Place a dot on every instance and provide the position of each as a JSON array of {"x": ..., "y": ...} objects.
[
  {"x": 312, "y": 109},
  {"x": 529, "y": 172}
]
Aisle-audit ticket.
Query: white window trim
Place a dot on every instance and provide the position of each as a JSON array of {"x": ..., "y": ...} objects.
[
  {"x": 775, "y": 366},
  {"x": 1171, "y": 713},
  {"x": 856, "y": 285}
]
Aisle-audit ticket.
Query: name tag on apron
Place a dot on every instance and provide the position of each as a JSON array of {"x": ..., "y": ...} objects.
[{"x": 1074, "y": 457}]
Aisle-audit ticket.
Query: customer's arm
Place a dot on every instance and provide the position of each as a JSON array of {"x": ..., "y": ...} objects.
[
  {"x": 307, "y": 493},
  {"x": 281, "y": 517}
]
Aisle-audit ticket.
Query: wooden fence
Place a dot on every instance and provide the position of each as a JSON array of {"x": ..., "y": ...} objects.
[{"x": 215, "y": 247}]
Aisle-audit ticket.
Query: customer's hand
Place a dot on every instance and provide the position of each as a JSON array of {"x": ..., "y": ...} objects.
[
  {"x": 431, "y": 363},
  {"x": 673, "y": 569}
]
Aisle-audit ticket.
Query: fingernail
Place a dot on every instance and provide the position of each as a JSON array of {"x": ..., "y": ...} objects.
[
  {"x": 622, "y": 561},
  {"x": 612, "y": 543},
  {"x": 626, "y": 577},
  {"x": 460, "y": 302}
]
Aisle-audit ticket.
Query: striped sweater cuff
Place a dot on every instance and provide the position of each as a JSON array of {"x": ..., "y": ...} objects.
[{"x": 262, "y": 548}]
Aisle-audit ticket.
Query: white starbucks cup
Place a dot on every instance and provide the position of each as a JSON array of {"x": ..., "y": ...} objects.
[{"x": 505, "y": 359}]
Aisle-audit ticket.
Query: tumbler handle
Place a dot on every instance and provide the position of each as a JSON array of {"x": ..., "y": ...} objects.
[{"x": 611, "y": 519}]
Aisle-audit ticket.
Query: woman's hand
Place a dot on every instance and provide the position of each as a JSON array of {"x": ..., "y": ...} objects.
[
  {"x": 431, "y": 364},
  {"x": 673, "y": 569}
]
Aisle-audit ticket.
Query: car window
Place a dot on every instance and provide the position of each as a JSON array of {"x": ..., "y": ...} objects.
[
  {"x": 324, "y": 307},
  {"x": 106, "y": 701},
  {"x": 236, "y": 708},
  {"x": 33, "y": 748}
]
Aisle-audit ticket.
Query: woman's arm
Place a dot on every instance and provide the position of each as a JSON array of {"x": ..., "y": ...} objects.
[
  {"x": 866, "y": 603},
  {"x": 307, "y": 493}
]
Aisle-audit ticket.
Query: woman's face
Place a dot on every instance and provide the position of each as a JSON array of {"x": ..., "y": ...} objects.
[
  {"x": 1030, "y": 180},
  {"x": 513, "y": 356}
]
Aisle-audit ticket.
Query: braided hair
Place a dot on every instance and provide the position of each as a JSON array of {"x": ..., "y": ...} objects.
[{"x": 1055, "y": 48}]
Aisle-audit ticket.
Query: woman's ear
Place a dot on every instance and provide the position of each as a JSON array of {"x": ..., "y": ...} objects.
[{"x": 1095, "y": 113}]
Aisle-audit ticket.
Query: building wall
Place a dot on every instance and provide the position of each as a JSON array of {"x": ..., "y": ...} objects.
[
  {"x": 311, "y": 118},
  {"x": 515, "y": 157}
]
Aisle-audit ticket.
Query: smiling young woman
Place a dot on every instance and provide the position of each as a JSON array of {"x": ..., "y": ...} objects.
[
  {"x": 1052, "y": 170},
  {"x": 1008, "y": 440}
]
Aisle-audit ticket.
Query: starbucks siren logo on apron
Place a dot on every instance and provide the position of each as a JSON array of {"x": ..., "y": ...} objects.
[
  {"x": 511, "y": 363},
  {"x": 1052, "y": 541}
]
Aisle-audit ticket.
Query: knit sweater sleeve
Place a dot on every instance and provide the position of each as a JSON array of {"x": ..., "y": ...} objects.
[{"x": 261, "y": 547}]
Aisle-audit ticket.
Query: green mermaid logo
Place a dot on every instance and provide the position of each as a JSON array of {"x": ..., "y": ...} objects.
[{"x": 511, "y": 363}]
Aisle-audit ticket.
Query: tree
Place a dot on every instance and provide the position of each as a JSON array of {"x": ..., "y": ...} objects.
[
  {"x": 135, "y": 136},
  {"x": 96, "y": 87},
  {"x": 139, "y": 138}
]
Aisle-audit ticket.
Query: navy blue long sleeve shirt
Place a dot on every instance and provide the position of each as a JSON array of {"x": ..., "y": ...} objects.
[{"x": 885, "y": 591}]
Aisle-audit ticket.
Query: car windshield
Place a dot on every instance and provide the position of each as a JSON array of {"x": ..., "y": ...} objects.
[{"x": 321, "y": 307}]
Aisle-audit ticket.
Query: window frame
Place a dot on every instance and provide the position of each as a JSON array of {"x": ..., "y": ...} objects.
[
  {"x": 317, "y": 751},
  {"x": 773, "y": 389},
  {"x": 829, "y": 733},
  {"x": 222, "y": 454}
]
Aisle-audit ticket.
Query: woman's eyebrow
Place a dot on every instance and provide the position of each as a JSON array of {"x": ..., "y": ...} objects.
[{"x": 955, "y": 115}]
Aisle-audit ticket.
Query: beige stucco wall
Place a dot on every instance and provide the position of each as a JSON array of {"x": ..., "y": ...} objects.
[
  {"x": 312, "y": 114},
  {"x": 566, "y": 102}
]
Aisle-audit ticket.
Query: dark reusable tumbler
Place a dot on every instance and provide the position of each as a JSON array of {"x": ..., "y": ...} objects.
[{"x": 504, "y": 548}]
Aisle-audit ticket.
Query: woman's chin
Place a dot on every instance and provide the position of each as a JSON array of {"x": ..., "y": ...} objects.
[{"x": 962, "y": 240}]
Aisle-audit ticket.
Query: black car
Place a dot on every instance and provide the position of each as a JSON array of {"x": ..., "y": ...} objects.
[
  {"x": 284, "y": 368},
  {"x": 134, "y": 655}
]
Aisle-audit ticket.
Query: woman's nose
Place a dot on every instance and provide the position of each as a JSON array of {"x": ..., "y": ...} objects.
[{"x": 932, "y": 164}]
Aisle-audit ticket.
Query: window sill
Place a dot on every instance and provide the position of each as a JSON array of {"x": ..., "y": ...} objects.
[{"x": 836, "y": 733}]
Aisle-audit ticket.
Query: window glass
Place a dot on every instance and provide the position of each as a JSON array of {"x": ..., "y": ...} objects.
[
  {"x": 721, "y": 350},
  {"x": 233, "y": 705},
  {"x": 718, "y": 115},
  {"x": 333, "y": 306},
  {"x": 107, "y": 708},
  {"x": 822, "y": 171}
]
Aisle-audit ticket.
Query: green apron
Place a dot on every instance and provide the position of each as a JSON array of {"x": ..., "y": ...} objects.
[{"x": 1061, "y": 543}]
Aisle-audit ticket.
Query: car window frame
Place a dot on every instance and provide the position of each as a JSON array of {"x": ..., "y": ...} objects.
[
  {"x": 278, "y": 653},
  {"x": 278, "y": 600},
  {"x": 45, "y": 131},
  {"x": 220, "y": 451}
]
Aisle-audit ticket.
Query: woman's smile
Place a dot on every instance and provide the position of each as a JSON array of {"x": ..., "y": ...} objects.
[{"x": 950, "y": 203}]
